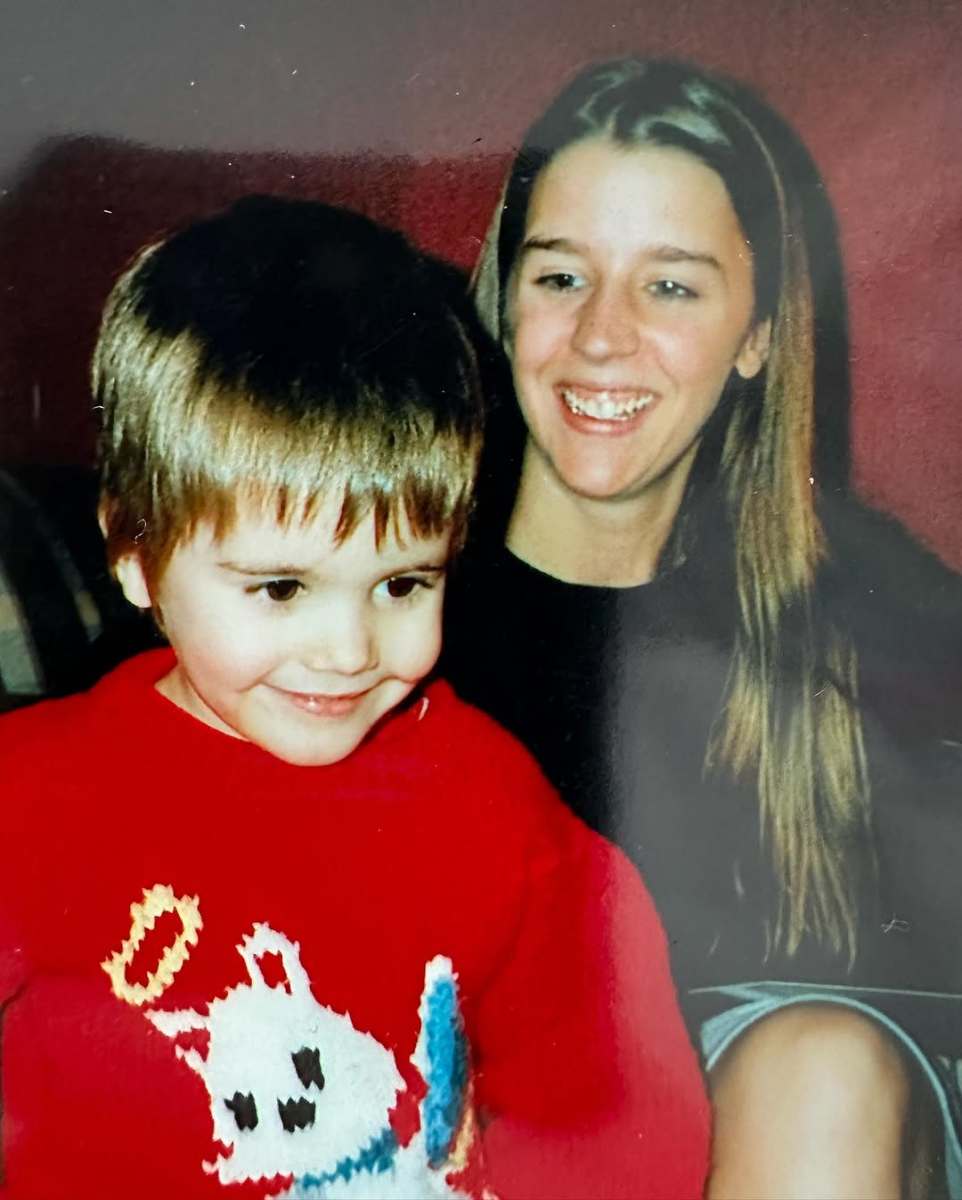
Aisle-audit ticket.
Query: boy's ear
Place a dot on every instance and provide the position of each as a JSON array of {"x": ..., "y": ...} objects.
[
  {"x": 130, "y": 574},
  {"x": 128, "y": 569},
  {"x": 754, "y": 352}
]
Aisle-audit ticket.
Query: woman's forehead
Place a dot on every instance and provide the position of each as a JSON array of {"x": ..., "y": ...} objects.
[{"x": 599, "y": 191}]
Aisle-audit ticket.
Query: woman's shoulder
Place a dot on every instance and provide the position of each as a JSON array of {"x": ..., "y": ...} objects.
[
  {"x": 871, "y": 552},
  {"x": 903, "y": 608}
]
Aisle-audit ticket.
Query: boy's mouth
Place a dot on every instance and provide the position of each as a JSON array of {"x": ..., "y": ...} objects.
[{"x": 320, "y": 704}]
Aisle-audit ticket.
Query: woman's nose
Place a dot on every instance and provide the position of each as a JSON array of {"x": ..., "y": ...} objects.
[{"x": 607, "y": 325}]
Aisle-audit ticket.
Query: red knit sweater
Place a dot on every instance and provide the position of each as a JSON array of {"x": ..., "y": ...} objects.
[{"x": 208, "y": 956}]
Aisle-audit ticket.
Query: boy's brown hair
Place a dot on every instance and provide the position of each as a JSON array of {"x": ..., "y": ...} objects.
[{"x": 273, "y": 353}]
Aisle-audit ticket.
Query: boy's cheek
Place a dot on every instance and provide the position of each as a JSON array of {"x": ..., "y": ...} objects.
[{"x": 417, "y": 650}]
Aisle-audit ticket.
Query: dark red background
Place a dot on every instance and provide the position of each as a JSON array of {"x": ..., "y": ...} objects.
[{"x": 119, "y": 118}]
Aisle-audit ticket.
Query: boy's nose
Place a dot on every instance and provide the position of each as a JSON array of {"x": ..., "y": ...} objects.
[{"x": 346, "y": 645}]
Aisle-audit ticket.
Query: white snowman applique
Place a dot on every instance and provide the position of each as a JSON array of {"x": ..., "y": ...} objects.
[{"x": 296, "y": 1090}]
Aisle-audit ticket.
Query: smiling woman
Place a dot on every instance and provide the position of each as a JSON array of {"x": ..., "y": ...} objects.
[
  {"x": 631, "y": 302},
  {"x": 673, "y": 601}
]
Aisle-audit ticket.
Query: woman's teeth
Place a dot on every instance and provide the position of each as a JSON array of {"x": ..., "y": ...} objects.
[{"x": 606, "y": 406}]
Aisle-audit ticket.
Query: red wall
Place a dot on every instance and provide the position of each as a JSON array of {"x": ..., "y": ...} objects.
[{"x": 408, "y": 110}]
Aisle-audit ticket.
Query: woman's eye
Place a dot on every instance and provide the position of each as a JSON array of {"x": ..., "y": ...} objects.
[
  {"x": 559, "y": 281},
  {"x": 670, "y": 289},
  {"x": 281, "y": 590}
]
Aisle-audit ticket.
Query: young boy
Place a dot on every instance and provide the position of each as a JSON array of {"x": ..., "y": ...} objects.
[{"x": 264, "y": 892}]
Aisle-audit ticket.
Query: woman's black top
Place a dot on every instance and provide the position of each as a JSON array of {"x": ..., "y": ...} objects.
[{"x": 616, "y": 692}]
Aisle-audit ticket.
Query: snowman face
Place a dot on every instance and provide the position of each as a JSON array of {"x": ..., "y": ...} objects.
[
  {"x": 295, "y": 1112},
  {"x": 294, "y": 1088}
]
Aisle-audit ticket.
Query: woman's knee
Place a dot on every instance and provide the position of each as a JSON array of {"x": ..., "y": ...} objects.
[
  {"x": 845, "y": 1058},
  {"x": 814, "y": 1100}
]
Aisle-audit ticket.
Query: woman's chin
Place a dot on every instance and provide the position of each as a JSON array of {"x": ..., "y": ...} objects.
[{"x": 602, "y": 481}]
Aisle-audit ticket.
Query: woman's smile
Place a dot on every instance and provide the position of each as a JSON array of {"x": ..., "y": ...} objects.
[
  {"x": 631, "y": 304},
  {"x": 604, "y": 411}
]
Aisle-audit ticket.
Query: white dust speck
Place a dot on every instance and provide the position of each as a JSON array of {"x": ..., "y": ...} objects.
[{"x": 109, "y": 212}]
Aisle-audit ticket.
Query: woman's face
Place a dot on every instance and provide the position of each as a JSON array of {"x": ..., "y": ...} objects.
[{"x": 630, "y": 302}]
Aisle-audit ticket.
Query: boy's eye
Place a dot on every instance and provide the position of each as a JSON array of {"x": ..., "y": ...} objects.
[
  {"x": 281, "y": 590},
  {"x": 401, "y": 587}
]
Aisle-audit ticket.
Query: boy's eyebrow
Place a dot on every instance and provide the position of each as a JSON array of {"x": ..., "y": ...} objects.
[
  {"x": 290, "y": 569},
  {"x": 426, "y": 568},
  {"x": 262, "y": 569}
]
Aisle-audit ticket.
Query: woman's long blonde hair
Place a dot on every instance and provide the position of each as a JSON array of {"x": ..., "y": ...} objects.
[{"x": 791, "y": 712}]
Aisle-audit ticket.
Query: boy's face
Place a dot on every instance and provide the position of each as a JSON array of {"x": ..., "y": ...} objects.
[{"x": 290, "y": 641}]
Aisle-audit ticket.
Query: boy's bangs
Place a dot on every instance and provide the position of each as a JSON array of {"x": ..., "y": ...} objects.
[{"x": 418, "y": 485}]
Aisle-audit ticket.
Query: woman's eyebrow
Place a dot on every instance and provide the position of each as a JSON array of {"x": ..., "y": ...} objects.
[
  {"x": 661, "y": 253},
  {"x": 675, "y": 254},
  {"x": 565, "y": 245}
]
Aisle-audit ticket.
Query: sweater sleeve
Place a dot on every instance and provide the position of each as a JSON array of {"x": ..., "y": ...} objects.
[
  {"x": 585, "y": 1072},
  {"x": 17, "y": 843},
  {"x": 13, "y": 966}
]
